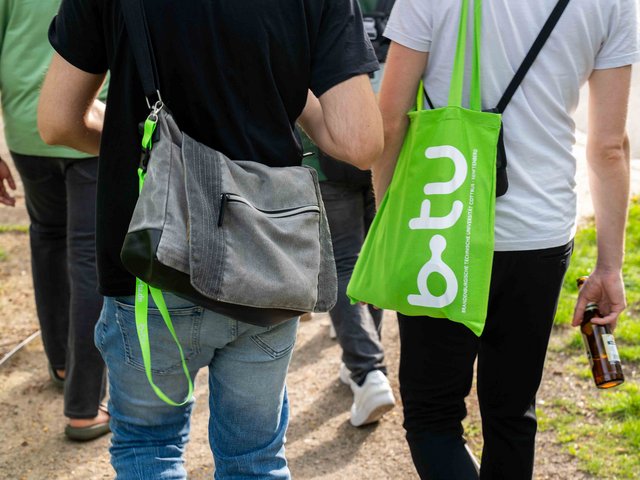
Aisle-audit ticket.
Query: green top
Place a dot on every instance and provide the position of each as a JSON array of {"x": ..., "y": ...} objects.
[
  {"x": 308, "y": 147},
  {"x": 368, "y": 5},
  {"x": 25, "y": 54}
]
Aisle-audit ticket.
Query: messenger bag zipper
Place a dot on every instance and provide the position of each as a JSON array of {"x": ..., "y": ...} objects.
[{"x": 283, "y": 213}]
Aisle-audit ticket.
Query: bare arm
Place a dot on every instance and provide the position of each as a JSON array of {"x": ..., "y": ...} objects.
[
  {"x": 608, "y": 162},
  {"x": 403, "y": 71},
  {"x": 69, "y": 113},
  {"x": 345, "y": 122}
]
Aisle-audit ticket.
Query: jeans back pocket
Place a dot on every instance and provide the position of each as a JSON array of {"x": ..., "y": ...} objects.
[{"x": 165, "y": 357}]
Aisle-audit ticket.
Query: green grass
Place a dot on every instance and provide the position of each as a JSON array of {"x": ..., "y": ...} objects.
[
  {"x": 609, "y": 449},
  {"x": 3, "y": 255},
  {"x": 14, "y": 228},
  {"x": 603, "y": 434}
]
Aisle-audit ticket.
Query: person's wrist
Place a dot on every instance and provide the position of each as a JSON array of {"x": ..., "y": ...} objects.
[
  {"x": 608, "y": 269},
  {"x": 609, "y": 263}
]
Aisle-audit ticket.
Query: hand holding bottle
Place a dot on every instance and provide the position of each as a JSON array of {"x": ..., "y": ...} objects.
[
  {"x": 606, "y": 289},
  {"x": 600, "y": 345}
]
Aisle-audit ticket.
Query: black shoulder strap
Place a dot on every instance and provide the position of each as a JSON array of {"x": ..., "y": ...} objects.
[
  {"x": 427, "y": 97},
  {"x": 528, "y": 61},
  {"x": 140, "y": 41}
]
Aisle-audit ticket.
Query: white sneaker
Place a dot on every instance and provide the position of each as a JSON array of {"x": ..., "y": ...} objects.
[
  {"x": 345, "y": 374},
  {"x": 372, "y": 400}
]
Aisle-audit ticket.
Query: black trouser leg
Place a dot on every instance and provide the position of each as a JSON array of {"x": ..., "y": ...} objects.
[
  {"x": 441, "y": 456},
  {"x": 436, "y": 372},
  {"x": 46, "y": 202},
  {"x": 522, "y": 306},
  {"x": 85, "y": 383},
  {"x": 436, "y": 368}
]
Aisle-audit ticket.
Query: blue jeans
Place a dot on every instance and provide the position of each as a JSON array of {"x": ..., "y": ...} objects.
[{"x": 247, "y": 400}]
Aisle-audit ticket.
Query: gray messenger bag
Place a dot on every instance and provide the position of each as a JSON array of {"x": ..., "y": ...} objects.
[{"x": 240, "y": 238}]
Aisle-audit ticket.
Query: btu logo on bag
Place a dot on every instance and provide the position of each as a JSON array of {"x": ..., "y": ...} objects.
[{"x": 438, "y": 243}]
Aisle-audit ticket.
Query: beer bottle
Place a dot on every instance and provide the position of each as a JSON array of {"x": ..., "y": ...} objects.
[{"x": 601, "y": 348}]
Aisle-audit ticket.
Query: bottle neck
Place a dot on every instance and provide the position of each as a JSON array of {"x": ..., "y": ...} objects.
[{"x": 590, "y": 311}]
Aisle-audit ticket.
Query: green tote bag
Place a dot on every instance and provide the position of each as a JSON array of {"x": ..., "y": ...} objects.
[{"x": 430, "y": 248}]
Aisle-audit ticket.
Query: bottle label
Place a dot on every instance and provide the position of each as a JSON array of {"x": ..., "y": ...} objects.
[
  {"x": 587, "y": 349},
  {"x": 610, "y": 346}
]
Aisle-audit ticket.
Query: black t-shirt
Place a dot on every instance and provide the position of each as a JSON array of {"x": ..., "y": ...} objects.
[{"x": 234, "y": 73}]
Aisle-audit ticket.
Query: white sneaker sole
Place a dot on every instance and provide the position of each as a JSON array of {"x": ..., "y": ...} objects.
[{"x": 384, "y": 402}]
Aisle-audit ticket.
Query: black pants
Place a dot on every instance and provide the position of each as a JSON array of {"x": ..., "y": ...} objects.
[
  {"x": 436, "y": 371},
  {"x": 60, "y": 196}
]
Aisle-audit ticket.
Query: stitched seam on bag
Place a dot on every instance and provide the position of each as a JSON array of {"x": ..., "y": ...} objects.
[
  {"x": 205, "y": 165},
  {"x": 166, "y": 198},
  {"x": 321, "y": 266},
  {"x": 222, "y": 244},
  {"x": 324, "y": 301},
  {"x": 209, "y": 283}
]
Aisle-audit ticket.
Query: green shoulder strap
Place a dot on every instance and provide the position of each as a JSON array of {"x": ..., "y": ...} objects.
[
  {"x": 457, "y": 77},
  {"x": 142, "y": 297}
]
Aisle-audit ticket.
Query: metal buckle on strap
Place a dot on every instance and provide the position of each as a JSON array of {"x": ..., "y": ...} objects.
[{"x": 153, "y": 105}]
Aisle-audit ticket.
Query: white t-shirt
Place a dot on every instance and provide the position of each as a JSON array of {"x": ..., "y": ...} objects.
[{"x": 539, "y": 208}]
